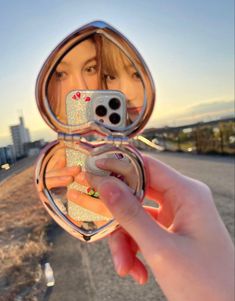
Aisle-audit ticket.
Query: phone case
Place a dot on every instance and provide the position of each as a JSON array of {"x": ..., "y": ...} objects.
[{"x": 81, "y": 108}]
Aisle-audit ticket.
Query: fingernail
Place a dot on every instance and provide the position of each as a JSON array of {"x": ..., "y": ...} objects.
[
  {"x": 141, "y": 280},
  {"x": 117, "y": 264},
  {"x": 100, "y": 162}
]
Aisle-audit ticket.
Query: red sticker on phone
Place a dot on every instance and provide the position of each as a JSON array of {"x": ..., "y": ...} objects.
[
  {"x": 76, "y": 96},
  {"x": 87, "y": 98}
]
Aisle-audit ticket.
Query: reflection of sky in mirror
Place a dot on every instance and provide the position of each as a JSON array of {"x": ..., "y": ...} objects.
[{"x": 187, "y": 45}]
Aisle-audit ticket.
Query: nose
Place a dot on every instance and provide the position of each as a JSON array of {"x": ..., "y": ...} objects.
[{"x": 79, "y": 82}]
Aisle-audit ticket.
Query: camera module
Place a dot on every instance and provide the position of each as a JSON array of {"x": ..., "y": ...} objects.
[
  {"x": 101, "y": 111},
  {"x": 114, "y": 103},
  {"x": 114, "y": 118}
]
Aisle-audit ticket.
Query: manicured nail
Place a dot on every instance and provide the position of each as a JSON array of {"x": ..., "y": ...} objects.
[
  {"x": 117, "y": 264},
  {"x": 100, "y": 163},
  {"x": 141, "y": 280}
]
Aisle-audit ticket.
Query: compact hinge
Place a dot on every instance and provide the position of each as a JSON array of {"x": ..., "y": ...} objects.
[
  {"x": 69, "y": 137},
  {"x": 117, "y": 140},
  {"x": 112, "y": 139}
]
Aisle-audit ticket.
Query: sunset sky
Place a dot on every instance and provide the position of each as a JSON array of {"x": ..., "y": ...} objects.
[{"x": 187, "y": 45}]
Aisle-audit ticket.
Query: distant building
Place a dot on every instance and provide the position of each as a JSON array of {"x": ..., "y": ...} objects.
[
  {"x": 7, "y": 155},
  {"x": 33, "y": 148},
  {"x": 20, "y": 136}
]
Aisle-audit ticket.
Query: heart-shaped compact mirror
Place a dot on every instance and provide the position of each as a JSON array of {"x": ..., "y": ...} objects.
[{"x": 96, "y": 92}]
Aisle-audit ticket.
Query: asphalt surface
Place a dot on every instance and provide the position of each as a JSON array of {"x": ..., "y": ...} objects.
[
  {"x": 84, "y": 272},
  {"x": 15, "y": 168}
]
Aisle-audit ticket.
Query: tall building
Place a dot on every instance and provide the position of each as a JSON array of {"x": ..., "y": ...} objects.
[
  {"x": 7, "y": 155},
  {"x": 20, "y": 135}
]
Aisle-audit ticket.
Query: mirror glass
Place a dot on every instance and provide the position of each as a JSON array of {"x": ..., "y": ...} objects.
[
  {"x": 96, "y": 81},
  {"x": 70, "y": 176}
]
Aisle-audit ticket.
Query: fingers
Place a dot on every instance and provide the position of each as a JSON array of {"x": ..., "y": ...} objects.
[
  {"x": 139, "y": 272},
  {"x": 122, "y": 252},
  {"x": 53, "y": 182},
  {"x": 121, "y": 244},
  {"x": 127, "y": 210},
  {"x": 58, "y": 160},
  {"x": 88, "y": 202},
  {"x": 124, "y": 257},
  {"x": 66, "y": 171},
  {"x": 81, "y": 178},
  {"x": 118, "y": 166},
  {"x": 124, "y": 249},
  {"x": 61, "y": 177}
]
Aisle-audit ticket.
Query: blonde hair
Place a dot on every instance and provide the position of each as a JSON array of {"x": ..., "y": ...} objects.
[
  {"x": 112, "y": 57},
  {"x": 53, "y": 89}
]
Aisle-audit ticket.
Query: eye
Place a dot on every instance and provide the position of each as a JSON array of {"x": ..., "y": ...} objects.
[
  {"x": 136, "y": 76},
  {"x": 60, "y": 75},
  {"x": 109, "y": 77},
  {"x": 91, "y": 69}
]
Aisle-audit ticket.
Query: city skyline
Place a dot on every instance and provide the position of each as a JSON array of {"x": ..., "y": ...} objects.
[
  {"x": 33, "y": 135},
  {"x": 202, "y": 113},
  {"x": 188, "y": 47}
]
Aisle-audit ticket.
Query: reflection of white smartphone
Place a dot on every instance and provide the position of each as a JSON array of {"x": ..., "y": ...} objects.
[{"x": 108, "y": 107}]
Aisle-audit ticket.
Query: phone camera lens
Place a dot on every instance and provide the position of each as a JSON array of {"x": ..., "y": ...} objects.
[
  {"x": 114, "y": 118},
  {"x": 114, "y": 103},
  {"x": 101, "y": 111}
]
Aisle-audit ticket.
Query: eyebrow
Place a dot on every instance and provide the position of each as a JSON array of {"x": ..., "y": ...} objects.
[
  {"x": 63, "y": 63},
  {"x": 86, "y": 62},
  {"x": 90, "y": 60},
  {"x": 131, "y": 66}
]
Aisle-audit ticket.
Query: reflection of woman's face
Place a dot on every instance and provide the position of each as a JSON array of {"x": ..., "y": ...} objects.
[
  {"x": 128, "y": 81},
  {"x": 77, "y": 70}
]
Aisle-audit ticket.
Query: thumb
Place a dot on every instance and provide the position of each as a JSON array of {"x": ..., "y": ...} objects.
[{"x": 128, "y": 211}]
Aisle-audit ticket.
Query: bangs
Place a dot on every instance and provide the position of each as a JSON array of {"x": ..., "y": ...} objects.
[{"x": 112, "y": 57}]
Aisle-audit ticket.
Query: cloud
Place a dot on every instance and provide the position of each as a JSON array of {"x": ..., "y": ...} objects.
[
  {"x": 211, "y": 107},
  {"x": 204, "y": 111}
]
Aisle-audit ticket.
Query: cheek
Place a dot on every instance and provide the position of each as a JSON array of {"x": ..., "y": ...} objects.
[
  {"x": 63, "y": 90},
  {"x": 139, "y": 100},
  {"x": 111, "y": 86}
]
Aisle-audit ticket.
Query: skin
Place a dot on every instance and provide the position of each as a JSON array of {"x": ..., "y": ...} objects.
[
  {"x": 128, "y": 81},
  {"x": 121, "y": 73},
  {"x": 77, "y": 70},
  {"x": 184, "y": 241},
  {"x": 59, "y": 175}
]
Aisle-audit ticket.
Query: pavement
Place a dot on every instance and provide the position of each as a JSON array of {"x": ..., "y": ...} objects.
[
  {"x": 16, "y": 168},
  {"x": 84, "y": 272}
]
